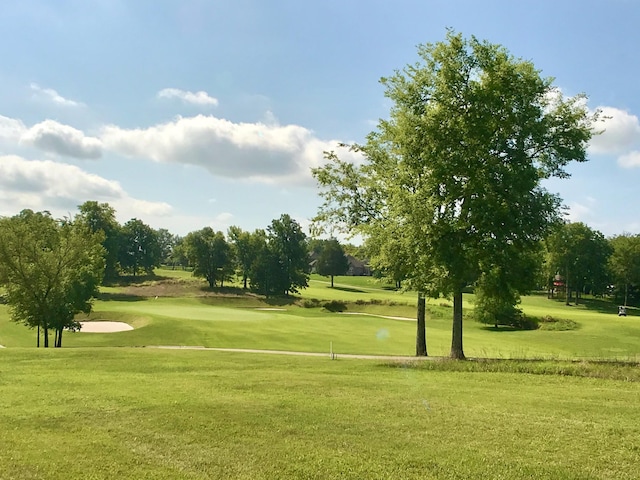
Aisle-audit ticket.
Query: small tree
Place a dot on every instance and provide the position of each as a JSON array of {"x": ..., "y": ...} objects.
[
  {"x": 51, "y": 270},
  {"x": 332, "y": 260}
]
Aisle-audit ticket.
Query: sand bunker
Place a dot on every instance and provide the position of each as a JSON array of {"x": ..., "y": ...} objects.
[{"x": 105, "y": 327}]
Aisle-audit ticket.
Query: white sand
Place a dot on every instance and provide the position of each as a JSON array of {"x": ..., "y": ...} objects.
[{"x": 105, "y": 327}]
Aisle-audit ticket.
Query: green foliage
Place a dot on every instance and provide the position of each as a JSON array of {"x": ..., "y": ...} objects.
[
  {"x": 580, "y": 255},
  {"x": 139, "y": 248},
  {"x": 50, "y": 269},
  {"x": 246, "y": 248},
  {"x": 332, "y": 260},
  {"x": 282, "y": 264},
  {"x": 210, "y": 255},
  {"x": 549, "y": 322},
  {"x": 335, "y": 306},
  {"x": 101, "y": 218},
  {"x": 624, "y": 262},
  {"x": 452, "y": 178}
]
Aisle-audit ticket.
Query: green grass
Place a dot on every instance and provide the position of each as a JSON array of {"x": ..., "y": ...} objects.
[
  {"x": 158, "y": 414},
  {"x": 233, "y": 321},
  {"x": 98, "y": 413}
]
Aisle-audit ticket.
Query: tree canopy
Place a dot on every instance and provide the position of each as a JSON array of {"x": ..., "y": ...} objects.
[
  {"x": 452, "y": 177},
  {"x": 51, "y": 270},
  {"x": 332, "y": 260}
]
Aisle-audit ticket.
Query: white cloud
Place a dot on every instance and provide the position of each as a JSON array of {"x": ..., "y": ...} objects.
[
  {"x": 578, "y": 212},
  {"x": 60, "y": 188},
  {"x": 11, "y": 129},
  {"x": 621, "y": 132},
  {"x": 200, "y": 98},
  {"x": 630, "y": 160},
  {"x": 51, "y": 136},
  {"x": 256, "y": 151},
  {"x": 51, "y": 95}
]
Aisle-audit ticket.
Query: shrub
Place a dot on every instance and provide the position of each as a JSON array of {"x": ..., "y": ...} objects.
[{"x": 335, "y": 306}]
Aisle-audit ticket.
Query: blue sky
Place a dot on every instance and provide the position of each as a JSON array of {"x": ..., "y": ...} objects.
[{"x": 193, "y": 113}]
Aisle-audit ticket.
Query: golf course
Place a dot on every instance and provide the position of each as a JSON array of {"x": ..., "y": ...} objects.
[{"x": 556, "y": 402}]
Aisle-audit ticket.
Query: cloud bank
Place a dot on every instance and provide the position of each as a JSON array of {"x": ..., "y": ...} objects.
[
  {"x": 51, "y": 136},
  {"x": 46, "y": 184},
  {"x": 255, "y": 151}
]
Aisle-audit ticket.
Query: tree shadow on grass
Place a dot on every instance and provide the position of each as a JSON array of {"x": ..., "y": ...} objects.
[
  {"x": 130, "y": 280},
  {"x": 119, "y": 297},
  {"x": 348, "y": 289},
  {"x": 599, "y": 305}
]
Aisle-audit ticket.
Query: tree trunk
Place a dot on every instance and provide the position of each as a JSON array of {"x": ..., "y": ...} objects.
[
  {"x": 456, "y": 333},
  {"x": 567, "y": 289},
  {"x": 331, "y": 281},
  {"x": 38, "y": 341},
  {"x": 46, "y": 336},
  {"x": 421, "y": 335},
  {"x": 244, "y": 282},
  {"x": 626, "y": 293},
  {"x": 58, "y": 342}
]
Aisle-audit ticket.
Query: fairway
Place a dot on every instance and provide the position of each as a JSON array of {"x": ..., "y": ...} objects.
[
  {"x": 99, "y": 410},
  {"x": 191, "y": 316}
]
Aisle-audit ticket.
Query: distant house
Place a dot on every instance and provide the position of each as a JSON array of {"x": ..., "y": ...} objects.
[{"x": 357, "y": 267}]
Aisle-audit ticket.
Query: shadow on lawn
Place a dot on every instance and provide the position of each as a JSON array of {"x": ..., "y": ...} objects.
[
  {"x": 348, "y": 289},
  {"x": 119, "y": 297},
  {"x": 598, "y": 305}
]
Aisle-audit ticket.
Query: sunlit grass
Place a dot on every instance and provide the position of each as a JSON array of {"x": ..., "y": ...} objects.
[{"x": 157, "y": 414}]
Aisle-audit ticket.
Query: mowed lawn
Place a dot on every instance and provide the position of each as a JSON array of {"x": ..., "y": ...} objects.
[
  {"x": 250, "y": 322},
  {"x": 165, "y": 414}
]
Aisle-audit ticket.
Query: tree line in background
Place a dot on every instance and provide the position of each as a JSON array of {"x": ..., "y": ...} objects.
[{"x": 51, "y": 269}]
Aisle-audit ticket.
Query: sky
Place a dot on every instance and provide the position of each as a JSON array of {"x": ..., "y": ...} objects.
[{"x": 194, "y": 113}]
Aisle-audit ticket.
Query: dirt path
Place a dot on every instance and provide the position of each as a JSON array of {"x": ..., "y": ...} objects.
[
  {"x": 301, "y": 354},
  {"x": 405, "y": 319}
]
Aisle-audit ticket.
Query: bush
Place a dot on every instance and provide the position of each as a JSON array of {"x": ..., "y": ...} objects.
[
  {"x": 335, "y": 306},
  {"x": 311, "y": 303},
  {"x": 557, "y": 324}
]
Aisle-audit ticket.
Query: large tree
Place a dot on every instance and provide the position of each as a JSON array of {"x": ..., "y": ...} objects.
[
  {"x": 579, "y": 255},
  {"x": 210, "y": 255},
  {"x": 457, "y": 166},
  {"x": 282, "y": 264},
  {"x": 139, "y": 247},
  {"x": 246, "y": 247},
  {"x": 50, "y": 269}
]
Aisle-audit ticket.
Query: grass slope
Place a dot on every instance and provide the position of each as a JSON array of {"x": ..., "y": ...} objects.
[{"x": 157, "y": 414}]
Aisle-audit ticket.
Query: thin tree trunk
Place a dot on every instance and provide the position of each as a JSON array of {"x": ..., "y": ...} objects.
[
  {"x": 626, "y": 293},
  {"x": 567, "y": 289},
  {"x": 244, "y": 282},
  {"x": 331, "y": 281},
  {"x": 38, "y": 341},
  {"x": 58, "y": 338},
  {"x": 421, "y": 335},
  {"x": 46, "y": 336},
  {"x": 456, "y": 333}
]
